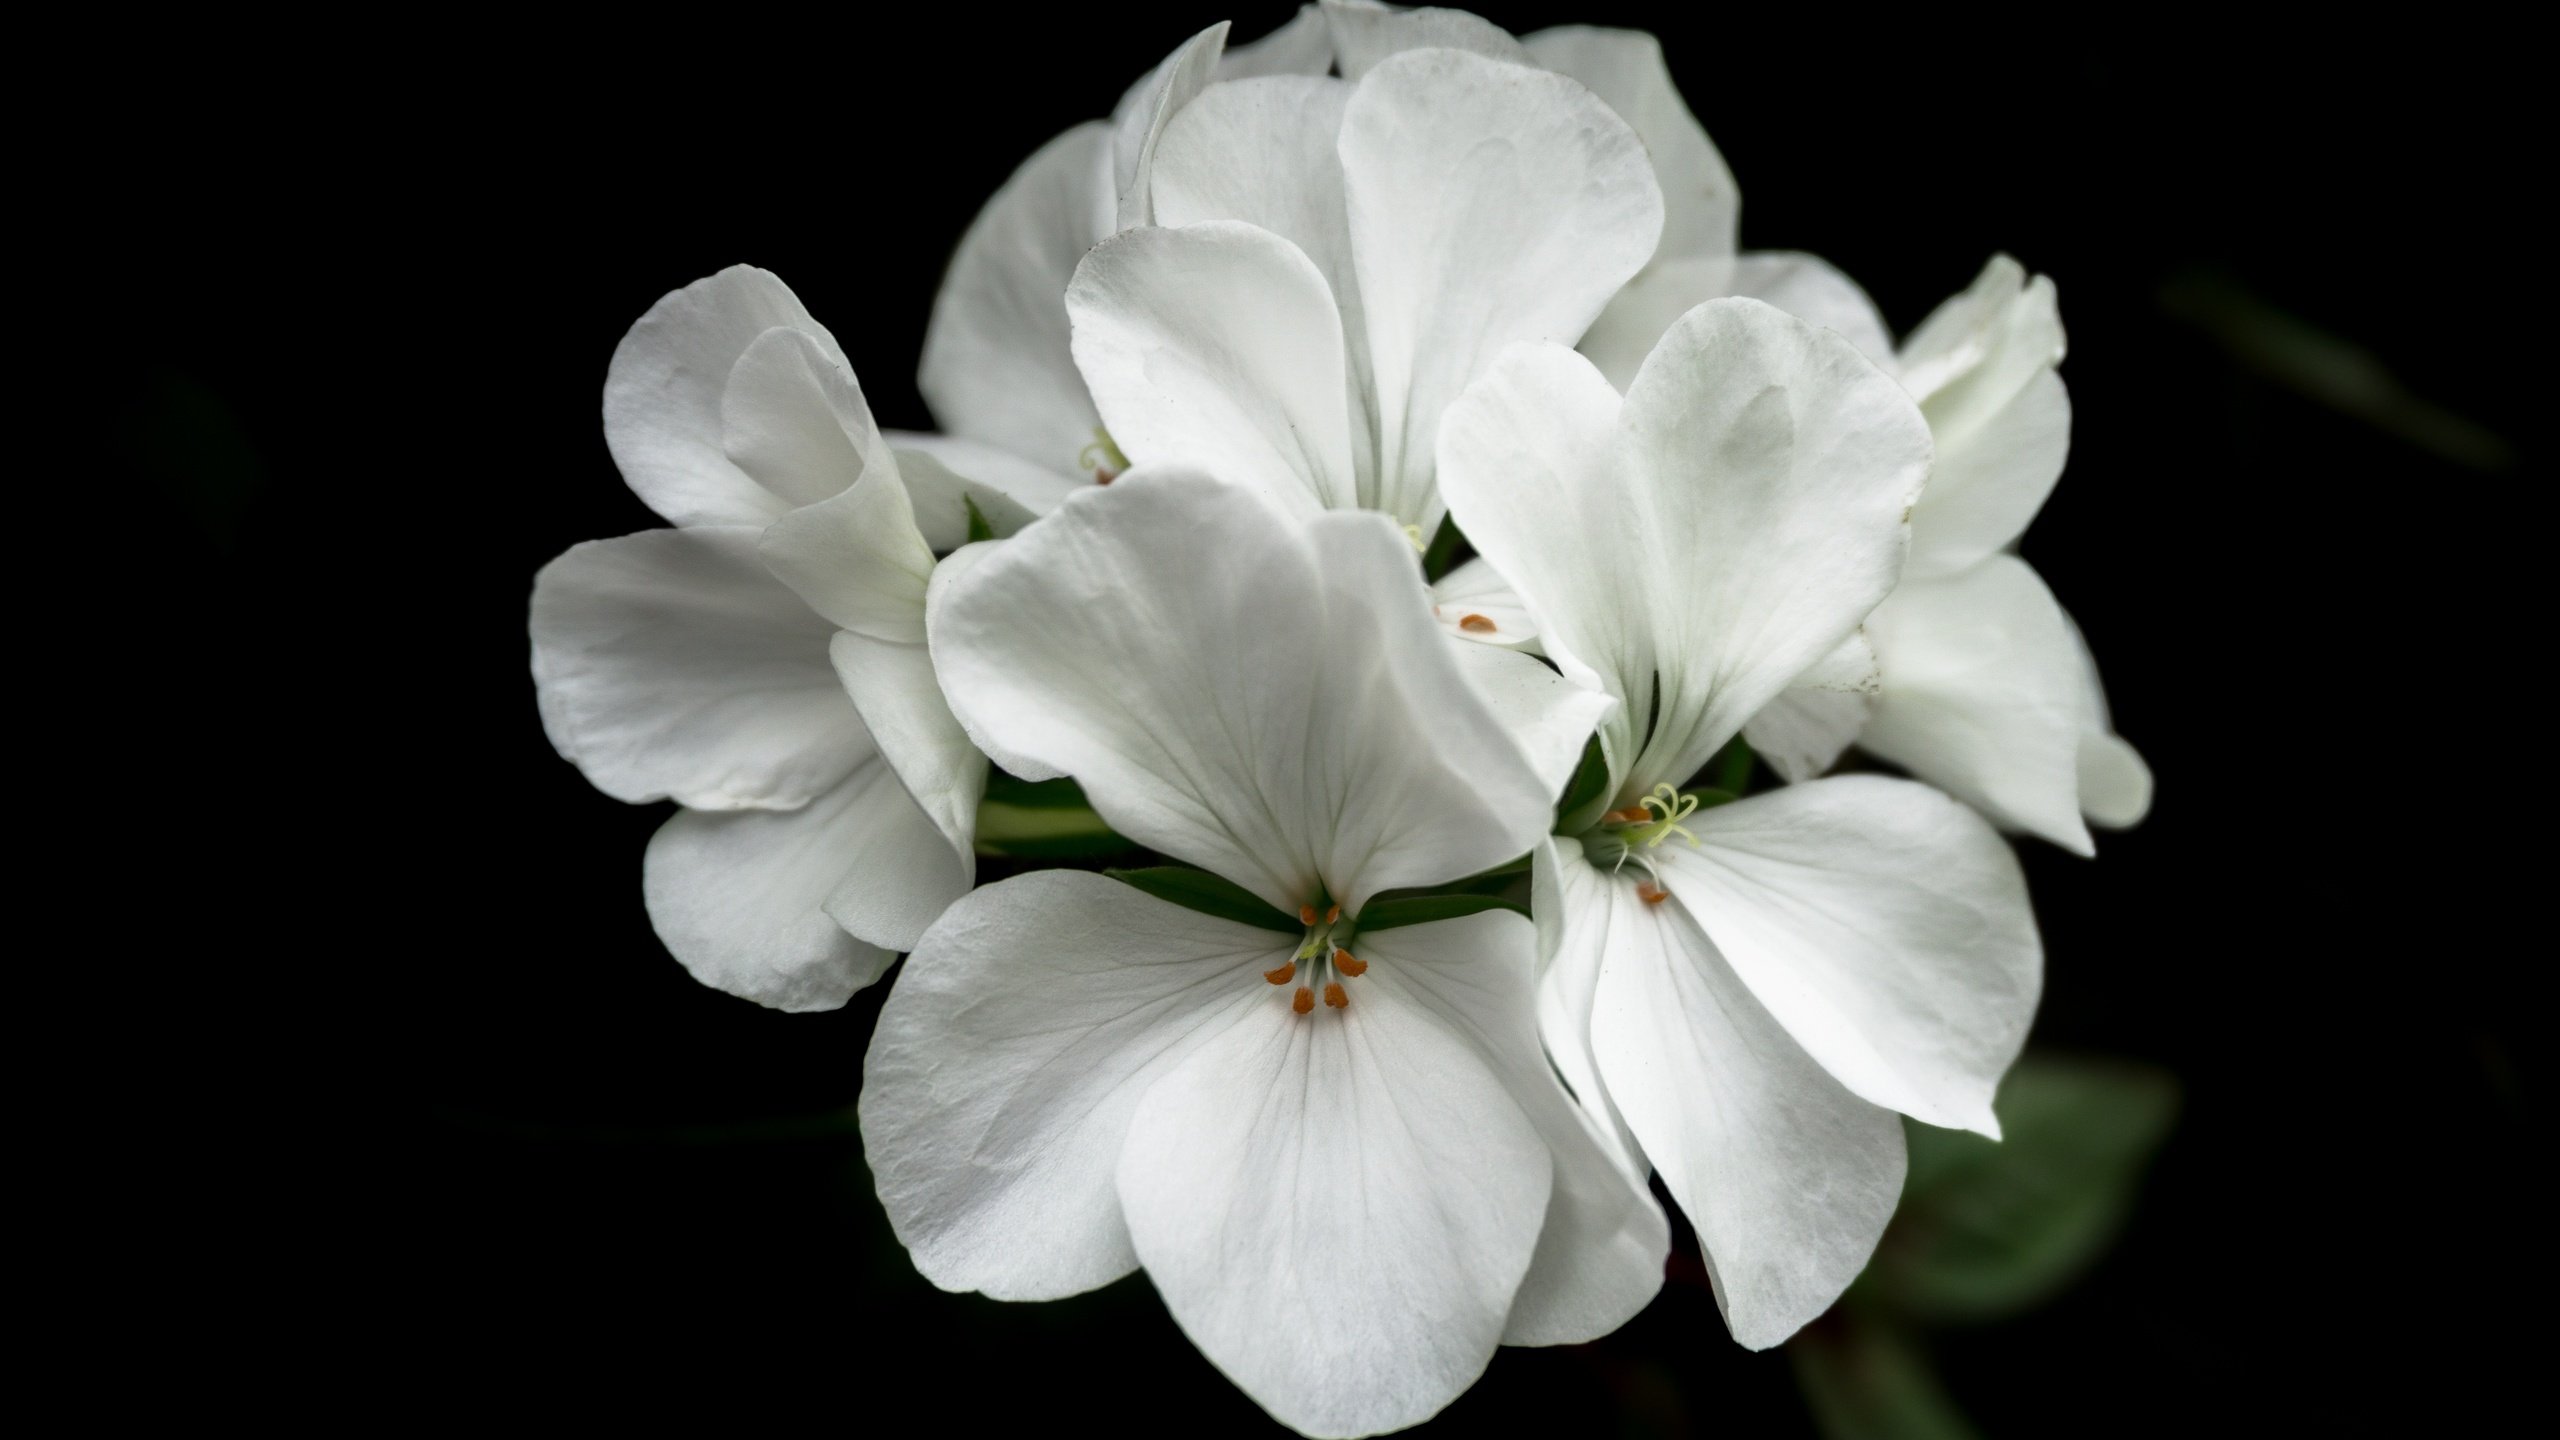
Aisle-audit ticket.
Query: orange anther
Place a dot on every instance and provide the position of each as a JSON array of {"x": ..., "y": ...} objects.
[
  {"x": 1349, "y": 964},
  {"x": 1305, "y": 1001},
  {"x": 1306, "y": 914},
  {"x": 1652, "y": 894},
  {"x": 1332, "y": 915},
  {"x": 1281, "y": 975},
  {"x": 1632, "y": 815},
  {"x": 1475, "y": 624},
  {"x": 1104, "y": 477},
  {"x": 1334, "y": 997}
]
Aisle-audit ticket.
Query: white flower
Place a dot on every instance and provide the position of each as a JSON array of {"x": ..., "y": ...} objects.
[
  {"x": 1346, "y": 1203},
  {"x": 996, "y": 369},
  {"x": 1333, "y": 261},
  {"x": 1982, "y": 684},
  {"x": 694, "y": 663},
  {"x": 1748, "y": 991}
]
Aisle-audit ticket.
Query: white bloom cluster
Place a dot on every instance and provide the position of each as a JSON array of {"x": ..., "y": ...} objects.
[{"x": 1214, "y": 375}]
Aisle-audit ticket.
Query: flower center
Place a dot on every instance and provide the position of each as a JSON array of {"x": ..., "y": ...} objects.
[
  {"x": 1643, "y": 826},
  {"x": 1102, "y": 457},
  {"x": 1318, "y": 961}
]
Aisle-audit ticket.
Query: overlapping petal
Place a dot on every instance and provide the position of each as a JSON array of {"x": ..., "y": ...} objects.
[
  {"x": 1984, "y": 696},
  {"x": 1884, "y": 925},
  {"x": 798, "y": 909},
  {"x": 662, "y": 395},
  {"x": 1788, "y": 1176},
  {"x": 1716, "y": 536},
  {"x": 1188, "y": 655},
  {"x": 1488, "y": 204},
  {"x": 672, "y": 664}
]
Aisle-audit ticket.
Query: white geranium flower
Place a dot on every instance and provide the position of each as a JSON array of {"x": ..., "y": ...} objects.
[
  {"x": 694, "y": 663},
  {"x": 1350, "y": 1176},
  {"x": 1982, "y": 685},
  {"x": 1334, "y": 259},
  {"x": 1748, "y": 991},
  {"x": 996, "y": 369}
]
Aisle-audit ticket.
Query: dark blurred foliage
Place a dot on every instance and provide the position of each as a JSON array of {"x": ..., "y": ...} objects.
[{"x": 430, "y": 1122}]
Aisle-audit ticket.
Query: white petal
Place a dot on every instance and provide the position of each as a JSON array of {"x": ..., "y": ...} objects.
[
  {"x": 2115, "y": 784},
  {"x": 1700, "y": 203},
  {"x": 857, "y": 559},
  {"x": 1982, "y": 367},
  {"x": 662, "y": 395},
  {"x": 997, "y": 1092},
  {"x": 1365, "y": 35},
  {"x": 1987, "y": 485},
  {"x": 955, "y": 567},
  {"x": 1138, "y": 121},
  {"x": 1805, "y": 286},
  {"x": 996, "y": 365},
  {"x": 1267, "y": 700},
  {"x": 1600, "y": 1254},
  {"x": 1036, "y": 488},
  {"x": 1778, "y": 467},
  {"x": 1525, "y": 464},
  {"x": 1722, "y": 532},
  {"x": 1562, "y": 887},
  {"x": 1218, "y": 345},
  {"x": 749, "y": 901},
  {"x": 893, "y": 686},
  {"x": 1788, "y": 1177},
  {"x": 1884, "y": 925},
  {"x": 1338, "y": 1208},
  {"x": 1551, "y": 717},
  {"x": 669, "y": 663},
  {"x": 1303, "y": 45},
  {"x": 1474, "y": 603},
  {"x": 1265, "y": 152},
  {"x": 1982, "y": 696},
  {"x": 1489, "y": 203},
  {"x": 793, "y": 418},
  {"x": 1803, "y": 732},
  {"x": 940, "y": 500}
]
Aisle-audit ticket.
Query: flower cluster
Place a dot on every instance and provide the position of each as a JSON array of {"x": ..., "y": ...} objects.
[{"x": 1477, "y": 923}]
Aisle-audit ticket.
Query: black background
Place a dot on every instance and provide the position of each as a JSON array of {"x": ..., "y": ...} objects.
[{"x": 457, "y": 1131}]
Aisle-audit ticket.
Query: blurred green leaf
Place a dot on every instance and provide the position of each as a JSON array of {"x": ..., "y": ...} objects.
[
  {"x": 1444, "y": 547},
  {"x": 1866, "y": 1379},
  {"x": 1989, "y": 1228},
  {"x": 1392, "y": 913},
  {"x": 1209, "y": 894},
  {"x": 1046, "y": 832},
  {"x": 979, "y": 529}
]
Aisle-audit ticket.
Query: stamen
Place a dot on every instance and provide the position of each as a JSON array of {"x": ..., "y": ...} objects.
[
  {"x": 1304, "y": 1001},
  {"x": 1475, "y": 624},
  {"x": 1350, "y": 964},
  {"x": 1281, "y": 976},
  {"x": 1332, "y": 916},
  {"x": 1306, "y": 915},
  {"x": 1650, "y": 893},
  {"x": 1333, "y": 995},
  {"x": 1632, "y": 815}
]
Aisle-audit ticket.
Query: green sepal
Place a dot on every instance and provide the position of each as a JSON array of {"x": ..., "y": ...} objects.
[
  {"x": 1443, "y": 547},
  {"x": 1209, "y": 894},
  {"x": 1589, "y": 787},
  {"x": 1730, "y": 771},
  {"x": 1397, "y": 911}
]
